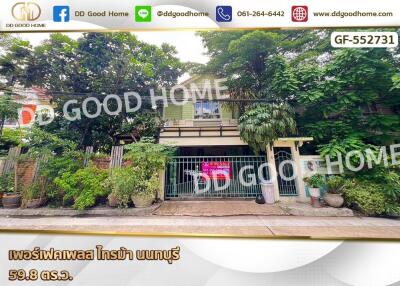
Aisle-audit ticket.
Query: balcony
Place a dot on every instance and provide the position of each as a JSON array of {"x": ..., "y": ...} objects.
[
  {"x": 201, "y": 123},
  {"x": 201, "y": 132}
]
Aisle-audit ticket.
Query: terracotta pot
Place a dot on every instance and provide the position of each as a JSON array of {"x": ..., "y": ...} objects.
[
  {"x": 142, "y": 200},
  {"x": 36, "y": 203},
  {"x": 112, "y": 201},
  {"x": 11, "y": 201},
  {"x": 315, "y": 203},
  {"x": 334, "y": 200}
]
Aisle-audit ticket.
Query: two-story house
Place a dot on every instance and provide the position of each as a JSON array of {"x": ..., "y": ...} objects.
[{"x": 206, "y": 132}]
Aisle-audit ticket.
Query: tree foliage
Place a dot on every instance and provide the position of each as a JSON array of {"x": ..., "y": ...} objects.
[
  {"x": 340, "y": 96},
  {"x": 96, "y": 64},
  {"x": 262, "y": 124}
]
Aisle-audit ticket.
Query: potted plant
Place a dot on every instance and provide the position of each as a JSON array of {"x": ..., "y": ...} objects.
[
  {"x": 10, "y": 199},
  {"x": 121, "y": 182},
  {"x": 112, "y": 199},
  {"x": 145, "y": 192},
  {"x": 333, "y": 196},
  {"x": 314, "y": 183},
  {"x": 33, "y": 196}
]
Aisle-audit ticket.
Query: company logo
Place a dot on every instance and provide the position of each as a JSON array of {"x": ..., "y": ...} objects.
[
  {"x": 61, "y": 14},
  {"x": 143, "y": 13},
  {"x": 299, "y": 13},
  {"x": 223, "y": 13},
  {"x": 26, "y": 11}
]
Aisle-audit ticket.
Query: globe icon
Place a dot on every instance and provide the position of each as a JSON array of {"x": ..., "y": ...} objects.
[{"x": 299, "y": 14}]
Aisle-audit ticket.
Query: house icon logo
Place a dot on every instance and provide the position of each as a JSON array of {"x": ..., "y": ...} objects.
[{"x": 26, "y": 11}]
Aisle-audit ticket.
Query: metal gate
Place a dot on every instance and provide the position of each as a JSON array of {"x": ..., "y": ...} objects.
[
  {"x": 286, "y": 187},
  {"x": 184, "y": 177}
]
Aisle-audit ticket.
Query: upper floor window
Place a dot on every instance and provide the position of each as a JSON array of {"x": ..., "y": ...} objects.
[{"x": 206, "y": 110}]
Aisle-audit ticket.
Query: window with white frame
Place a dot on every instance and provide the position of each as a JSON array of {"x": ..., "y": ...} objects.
[{"x": 206, "y": 110}]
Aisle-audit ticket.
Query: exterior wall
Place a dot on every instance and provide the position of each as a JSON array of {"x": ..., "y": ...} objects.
[
  {"x": 188, "y": 111},
  {"x": 25, "y": 172},
  {"x": 226, "y": 113},
  {"x": 101, "y": 163},
  {"x": 173, "y": 112},
  {"x": 312, "y": 164},
  {"x": 202, "y": 141}
]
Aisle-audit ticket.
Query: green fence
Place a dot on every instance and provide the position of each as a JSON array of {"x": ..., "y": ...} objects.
[{"x": 184, "y": 177}]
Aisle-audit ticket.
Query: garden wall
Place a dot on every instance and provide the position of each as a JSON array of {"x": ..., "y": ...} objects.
[{"x": 25, "y": 172}]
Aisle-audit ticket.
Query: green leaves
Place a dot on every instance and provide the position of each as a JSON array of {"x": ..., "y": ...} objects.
[
  {"x": 83, "y": 187},
  {"x": 262, "y": 124}
]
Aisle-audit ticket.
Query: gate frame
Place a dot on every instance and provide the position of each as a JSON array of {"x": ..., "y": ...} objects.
[{"x": 293, "y": 144}]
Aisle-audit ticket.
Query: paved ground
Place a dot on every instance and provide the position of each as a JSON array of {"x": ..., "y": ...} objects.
[
  {"x": 243, "y": 226},
  {"x": 216, "y": 218},
  {"x": 217, "y": 208},
  {"x": 191, "y": 208}
]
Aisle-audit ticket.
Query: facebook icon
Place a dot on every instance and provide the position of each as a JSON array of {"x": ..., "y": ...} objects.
[{"x": 61, "y": 13}]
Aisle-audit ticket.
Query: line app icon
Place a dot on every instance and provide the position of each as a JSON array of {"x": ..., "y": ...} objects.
[{"x": 143, "y": 13}]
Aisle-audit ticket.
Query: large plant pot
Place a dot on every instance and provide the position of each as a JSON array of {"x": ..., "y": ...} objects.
[
  {"x": 334, "y": 200},
  {"x": 36, "y": 203},
  {"x": 11, "y": 201},
  {"x": 112, "y": 201},
  {"x": 142, "y": 199}
]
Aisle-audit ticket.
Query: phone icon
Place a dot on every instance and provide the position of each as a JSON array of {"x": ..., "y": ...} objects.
[{"x": 224, "y": 13}]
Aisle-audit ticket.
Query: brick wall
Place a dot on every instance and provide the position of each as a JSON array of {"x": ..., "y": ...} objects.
[
  {"x": 24, "y": 174},
  {"x": 101, "y": 163},
  {"x": 104, "y": 163}
]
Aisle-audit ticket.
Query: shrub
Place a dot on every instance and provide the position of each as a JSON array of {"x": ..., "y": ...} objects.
[
  {"x": 122, "y": 183},
  {"x": 11, "y": 138},
  {"x": 7, "y": 183},
  {"x": 315, "y": 181},
  {"x": 149, "y": 157},
  {"x": 34, "y": 191},
  {"x": 366, "y": 198},
  {"x": 54, "y": 167},
  {"x": 125, "y": 182},
  {"x": 83, "y": 187},
  {"x": 335, "y": 184}
]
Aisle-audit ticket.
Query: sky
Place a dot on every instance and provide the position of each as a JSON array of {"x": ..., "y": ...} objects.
[{"x": 188, "y": 45}]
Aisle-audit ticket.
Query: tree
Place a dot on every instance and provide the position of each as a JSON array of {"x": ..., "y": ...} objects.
[
  {"x": 98, "y": 64},
  {"x": 8, "y": 110},
  {"x": 345, "y": 96},
  {"x": 351, "y": 97},
  {"x": 14, "y": 62},
  {"x": 262, "y": 124}
]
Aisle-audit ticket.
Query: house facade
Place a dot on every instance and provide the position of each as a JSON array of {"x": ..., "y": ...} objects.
[
  {"x": 33, "y": 100},
  {"x": 206, "y": 133}
]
